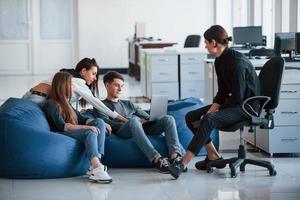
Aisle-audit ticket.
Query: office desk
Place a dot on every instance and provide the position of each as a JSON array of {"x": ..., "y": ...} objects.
[
  {"x": 134, "y": 47},
  {"x": 285, "y": 137}
]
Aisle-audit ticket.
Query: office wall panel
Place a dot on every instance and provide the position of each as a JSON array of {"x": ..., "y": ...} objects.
[{"x": 104, "y": 25}]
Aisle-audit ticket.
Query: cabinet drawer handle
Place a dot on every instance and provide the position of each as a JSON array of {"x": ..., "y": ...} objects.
[
  {"x": 289, "y": 91},
  {"x": 289, "y": 112},
  {"x": 192, "y": 59},
  {"x": 164, "y": 59},
  {"x": 194, "y": 73},
  {"x": 163, "y": 73},
  {"x": 163, "y": 92},
  {"x": 192, "y": 90},
  {"x": 289, "y": 139}
]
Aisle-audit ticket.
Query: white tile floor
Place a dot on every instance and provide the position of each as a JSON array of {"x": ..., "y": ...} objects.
[
  {"x": 132, "y": 184},
  {"x": 139, "y": 184}
]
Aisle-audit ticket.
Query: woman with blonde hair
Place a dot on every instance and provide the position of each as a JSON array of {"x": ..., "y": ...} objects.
[{"x": 64, "y": 119}]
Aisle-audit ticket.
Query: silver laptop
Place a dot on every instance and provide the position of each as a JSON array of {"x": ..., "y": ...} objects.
[{"x": 159, "y": 106}]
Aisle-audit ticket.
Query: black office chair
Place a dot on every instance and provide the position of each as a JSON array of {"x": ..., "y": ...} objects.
[
  {"x": 261, "y": 52},
  {"x": 192, "y": 41},
  {"x": 270, "y": 80}
]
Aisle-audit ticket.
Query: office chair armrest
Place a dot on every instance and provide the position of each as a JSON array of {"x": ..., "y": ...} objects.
[{"x": 248, "y": 108}]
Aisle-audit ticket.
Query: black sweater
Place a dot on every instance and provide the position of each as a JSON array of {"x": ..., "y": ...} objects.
[{"x": 237, "y": 79}]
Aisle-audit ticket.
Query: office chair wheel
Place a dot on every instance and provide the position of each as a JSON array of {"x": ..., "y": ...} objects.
[
  {"x": 233, "y": 174},
  {"x": 209, "y": 170},
  {"x": 273, "y": 172},
  {"x": 242, "y": 168}
]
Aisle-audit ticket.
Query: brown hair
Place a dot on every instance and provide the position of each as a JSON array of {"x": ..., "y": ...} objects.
[
  {"x": 88, "y": 63},
  {"x": 61, "y": 92},
  {"x": 110, "y": 76},
  {"x": 217, "y": 33}
]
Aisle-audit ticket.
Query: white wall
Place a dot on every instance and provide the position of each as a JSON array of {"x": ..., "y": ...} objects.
[{"x": 104, "y": 25}]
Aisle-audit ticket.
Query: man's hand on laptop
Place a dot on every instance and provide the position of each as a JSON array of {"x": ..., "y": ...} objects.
[{"x": 142, "y": 120}]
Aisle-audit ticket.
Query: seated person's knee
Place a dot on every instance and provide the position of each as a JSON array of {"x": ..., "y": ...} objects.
[
  {"x": 208, "y": 117},
  {"x": 134, "y": 121},
  {"x": 168, "y": 119},
  {"x": 98, "y": 122}
]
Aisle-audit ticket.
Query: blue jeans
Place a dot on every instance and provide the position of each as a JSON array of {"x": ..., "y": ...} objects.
[
  {"x": 134, "y": 129},
  {"x": 94, "y": 145}
]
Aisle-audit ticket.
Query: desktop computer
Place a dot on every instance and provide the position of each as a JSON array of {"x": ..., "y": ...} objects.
[
  {"x": 248, "y": 36},
  {"x": 287, "y": 45}
]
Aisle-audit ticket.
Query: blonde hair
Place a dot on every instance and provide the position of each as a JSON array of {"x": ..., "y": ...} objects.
[{"x": 61, "y": 92}]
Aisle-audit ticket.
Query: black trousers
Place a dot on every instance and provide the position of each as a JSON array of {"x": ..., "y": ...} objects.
[{"x": 202, "y": 128}]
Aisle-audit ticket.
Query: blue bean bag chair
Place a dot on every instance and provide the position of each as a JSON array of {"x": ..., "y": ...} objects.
[{"x": 30, "y": 150}]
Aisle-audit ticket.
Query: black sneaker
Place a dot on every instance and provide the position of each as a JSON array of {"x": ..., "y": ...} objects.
[
  {"x": 177, "y": 158},
  {"x": 162, "y": 166},
  {"x": 176, "y": 168},
  {"x": 202, "y": 165}
]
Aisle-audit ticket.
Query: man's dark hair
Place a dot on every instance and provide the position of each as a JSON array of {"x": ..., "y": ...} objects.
[{"x": 110, "y": 76}]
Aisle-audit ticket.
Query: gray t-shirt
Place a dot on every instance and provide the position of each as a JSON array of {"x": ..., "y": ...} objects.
[{"x": 124, "y": 108}]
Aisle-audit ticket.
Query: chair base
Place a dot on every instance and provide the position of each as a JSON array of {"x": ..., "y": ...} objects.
[{"x": 241, "y": 162}]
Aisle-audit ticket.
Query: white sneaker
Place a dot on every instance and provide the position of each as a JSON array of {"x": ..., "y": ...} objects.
[
  {"x": 100, "y": 175},
  {"x": 89, "y": 172}
]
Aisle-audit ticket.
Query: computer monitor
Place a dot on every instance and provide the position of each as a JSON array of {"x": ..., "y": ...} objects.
[
  {"x": 297, "y": 43},
  {"x": 248, "y": 35},
  {"x": 284, "y": 43}
]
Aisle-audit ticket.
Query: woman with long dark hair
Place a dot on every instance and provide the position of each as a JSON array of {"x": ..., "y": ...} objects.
[
  {"x": 85, "y": 85},
  {"x": 63, "y": 118},
  {"x": 237, "y": 81}
]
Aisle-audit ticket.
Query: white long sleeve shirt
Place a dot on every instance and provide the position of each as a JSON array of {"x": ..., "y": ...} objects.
[{"x": 80, "y": 89}]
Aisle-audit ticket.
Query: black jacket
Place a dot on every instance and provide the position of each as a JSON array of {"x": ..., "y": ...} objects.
[{"x": 237, "y": 79}]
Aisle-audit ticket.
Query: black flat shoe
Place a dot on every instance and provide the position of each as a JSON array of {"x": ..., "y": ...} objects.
[
  {"x": 202, "y": 165},
  {"x": 219, "y": 165}
]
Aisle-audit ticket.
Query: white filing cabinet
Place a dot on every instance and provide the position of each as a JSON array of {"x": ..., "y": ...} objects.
[
  {"x": 161, "y": 73},
  {"x": 191, "y": 73},
  {"x": 285, "y": 137}
]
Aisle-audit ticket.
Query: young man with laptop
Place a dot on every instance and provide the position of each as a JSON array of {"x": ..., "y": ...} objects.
[{"x": 140, "y": 124}]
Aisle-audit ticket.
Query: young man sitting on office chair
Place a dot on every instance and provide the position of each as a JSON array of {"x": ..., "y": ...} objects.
[{"x": 138, "y": 125}]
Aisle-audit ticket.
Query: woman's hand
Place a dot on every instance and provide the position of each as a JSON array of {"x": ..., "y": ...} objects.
[
  {"x": 82, "y": 110},
  {"x": 69, "y": 127},
  {"x": 108, "y": 129},
  {"x": 214, "y": 107},
  {"x": 94, "y": 129}
]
